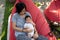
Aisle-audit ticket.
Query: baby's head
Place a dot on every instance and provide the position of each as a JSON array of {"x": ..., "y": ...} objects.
[{"x": 28, "y": 19}]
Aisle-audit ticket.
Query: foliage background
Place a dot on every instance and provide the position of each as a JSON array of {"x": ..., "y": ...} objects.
[{"x": 8, "y": 8}]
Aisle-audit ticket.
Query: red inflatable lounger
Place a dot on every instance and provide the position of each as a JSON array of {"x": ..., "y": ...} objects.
[
  {"x": 41, "y": 23},
  {"x": 53, "y": 11}
]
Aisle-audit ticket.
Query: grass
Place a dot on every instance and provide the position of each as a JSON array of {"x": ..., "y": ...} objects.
[{"x": 8, "y": 7}]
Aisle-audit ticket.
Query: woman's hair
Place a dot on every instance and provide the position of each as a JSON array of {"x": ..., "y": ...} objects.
[
  {"x": 20, "y": 7},
  {"x": 27, "y": 17}
]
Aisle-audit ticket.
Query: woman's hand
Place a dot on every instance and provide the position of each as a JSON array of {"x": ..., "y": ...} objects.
[{"x": 35, "y": 36}]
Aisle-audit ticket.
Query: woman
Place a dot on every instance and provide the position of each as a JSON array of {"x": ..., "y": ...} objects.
[{"x": 18, "y": 22}]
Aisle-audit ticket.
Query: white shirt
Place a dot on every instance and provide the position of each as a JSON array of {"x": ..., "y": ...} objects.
[{"x": 30, "y": 26}]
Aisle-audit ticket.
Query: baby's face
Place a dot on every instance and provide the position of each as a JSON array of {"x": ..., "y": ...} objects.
[{"x": 28, "y": 19}]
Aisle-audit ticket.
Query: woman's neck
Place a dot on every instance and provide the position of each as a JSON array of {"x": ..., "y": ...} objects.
[{"x": 23, "y": 16}]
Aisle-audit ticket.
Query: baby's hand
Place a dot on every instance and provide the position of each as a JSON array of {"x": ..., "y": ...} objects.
[{"x": 33, "y": 23}]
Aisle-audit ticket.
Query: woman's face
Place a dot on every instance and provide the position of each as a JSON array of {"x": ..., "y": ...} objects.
[{"x": 23, "y": 12}]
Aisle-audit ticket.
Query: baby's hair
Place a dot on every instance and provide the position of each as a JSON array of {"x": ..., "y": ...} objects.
[{"x": 27, "y": 17}]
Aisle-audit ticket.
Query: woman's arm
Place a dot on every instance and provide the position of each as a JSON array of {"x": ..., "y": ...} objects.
[
  {"x": 20, "y": 29},
  {"x": 16, "y": 28}
]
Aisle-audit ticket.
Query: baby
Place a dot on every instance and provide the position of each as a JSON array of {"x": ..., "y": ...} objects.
[{"x": 29, "y": 24}]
